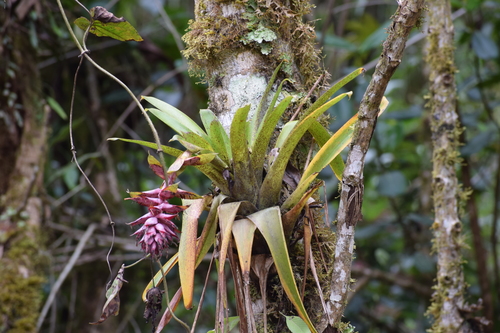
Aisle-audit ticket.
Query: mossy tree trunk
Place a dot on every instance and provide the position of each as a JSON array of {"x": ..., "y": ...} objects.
[
  {"x": 23, "y": 134},
  {"x": 235, "y": 47},
  {"x": 448, "y": 303}
]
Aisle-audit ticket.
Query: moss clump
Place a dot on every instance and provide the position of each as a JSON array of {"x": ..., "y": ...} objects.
[
  {"x": 275, "y": 30},
  {"x": 20, "y": 284}
]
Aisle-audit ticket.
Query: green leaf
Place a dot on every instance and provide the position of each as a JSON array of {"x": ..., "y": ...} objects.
[
  {"x": 122, "y": 31},
  {"x": 220, "y": 141},
  {"x": 336, "y": 143},
  {"x": 209, "y": 170},
  {"x": 193, "y": 142},
  {"x": 264, "y": 133},
  {"x": 187, "y": 257},
  {"x": 57, "y": 108},
  {"x": 296, "y": 325},
  {"x": 256, "y": 120},
  {"x": 166, "y": 149},
  {"x": 321, "y": 135},
  {"x": 271, "y": 186},
  {"x": 285, "y": 133},
  {"x": 244, "y": 184},
  {"x": 173, "y": 117},
  {"x": 268, "y": 221}
]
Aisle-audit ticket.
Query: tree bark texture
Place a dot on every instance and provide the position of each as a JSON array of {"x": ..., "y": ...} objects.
[
  {"x": 23, "y": 136},
  {"x": 407, "y": 16},
  {"x": 448, "y": 300}
]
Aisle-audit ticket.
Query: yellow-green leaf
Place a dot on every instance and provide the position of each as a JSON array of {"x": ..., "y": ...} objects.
[
  {"x": 122, "y": 31},
  {"x": 187, "y": 244},
  {"x": 268, "y": 221}
]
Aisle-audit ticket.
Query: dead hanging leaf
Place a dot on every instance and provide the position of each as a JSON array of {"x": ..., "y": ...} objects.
[
  {"x": 112, "y": 305},
  {"x": 153, "y": 305},
  {"x": 106, "y": 24},
  {"x": 102, "y": 14}
]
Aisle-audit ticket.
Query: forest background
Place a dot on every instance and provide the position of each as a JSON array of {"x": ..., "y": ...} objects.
[{"x": 394, "y": 265}]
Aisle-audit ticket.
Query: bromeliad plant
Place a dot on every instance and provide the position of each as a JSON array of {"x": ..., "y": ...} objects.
[{"x": 248, "y": 192}]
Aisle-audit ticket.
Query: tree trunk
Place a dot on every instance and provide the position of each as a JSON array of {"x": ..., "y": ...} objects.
[
  {"x": 23, "y": 134},
  {"x": 235, "y": 47},
  {"x": 448, "y": 303}
]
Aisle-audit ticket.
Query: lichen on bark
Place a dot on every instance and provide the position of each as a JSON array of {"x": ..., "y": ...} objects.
[{"x": 448, "y": 300}]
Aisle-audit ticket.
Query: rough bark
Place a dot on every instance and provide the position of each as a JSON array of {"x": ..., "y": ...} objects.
[
  {"x": 448, "y": 301},
  {"x": 23, "y": 134},
  {"x": 406, "y": 17}
]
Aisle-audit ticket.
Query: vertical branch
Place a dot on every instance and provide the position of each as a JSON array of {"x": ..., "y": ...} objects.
[
  {"x": 448, "y": 299},
  {"x": 406, "y": 17}
]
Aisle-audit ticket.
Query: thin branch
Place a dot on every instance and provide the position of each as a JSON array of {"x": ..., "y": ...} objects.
[
  {"x": 64, "y": 274},
  {"x": 405, "y": 18}
]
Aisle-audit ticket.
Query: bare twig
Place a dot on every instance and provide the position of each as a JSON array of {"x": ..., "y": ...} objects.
[
  {"x": 405, "y": 18},
  {"x": 64, "y": 274}
]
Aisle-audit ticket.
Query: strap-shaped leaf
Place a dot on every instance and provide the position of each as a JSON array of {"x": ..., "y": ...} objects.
[
  {"x": 243, "y": 232},
  {"x": 264, "y": 133},
  {"x": 191, "y": 140},
  {"x": 285, "y": 133},
  {"x": 332, "y": 148},
  {"x": 244, "y": 184},
  {"x": 268, "y": 221},
  {"x": 187, "y": 257},
  {"x": 271, "y": 186},
  {"x": 205, "y": 242},
  {"x": 258, "y": 117},
  {"x": 227, "y": 213},
  {"x": 209, "y": 170},
  {"x": 173, "y": 117},
  {"x": 217, "y": 136},
  {"x": 158, "y": 278},
  {"x": 321, "y": 136},
  {"x": 166, "y": 149},
  {"x": 323, "y": 98}
]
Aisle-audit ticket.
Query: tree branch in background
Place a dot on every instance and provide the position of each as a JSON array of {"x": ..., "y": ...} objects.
[
  {"x": 406, "y": 17},
  {"x": 448, "y": 302}
]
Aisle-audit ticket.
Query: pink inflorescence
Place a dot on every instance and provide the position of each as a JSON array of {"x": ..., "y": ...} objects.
[{"x": 157, "y": 231}]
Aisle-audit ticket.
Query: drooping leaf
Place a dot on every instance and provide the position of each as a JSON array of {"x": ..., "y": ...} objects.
[
  {"x": 173, "y": 117},
  {"x": 227, "y": 213},
  {"x": 243, "y": 232},
  {"x": 187, "y": 244},
  {"x": 105, "y": 24},
  {"x": 268, "y": 221},
  {"x": 195, "y": 140},
  {"x": 112, "y": 305}
]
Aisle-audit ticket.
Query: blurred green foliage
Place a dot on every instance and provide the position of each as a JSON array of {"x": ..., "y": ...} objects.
[{"x": 394, "y": 266}]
